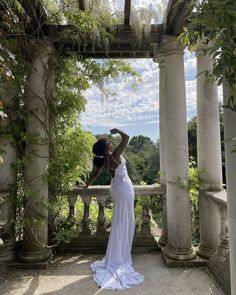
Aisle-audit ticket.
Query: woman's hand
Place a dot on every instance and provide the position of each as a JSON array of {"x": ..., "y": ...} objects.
[
  {"x": 125, "y": 139},
  {"x": 114, "y": 131},
  {"x": 83, "y": 186}
]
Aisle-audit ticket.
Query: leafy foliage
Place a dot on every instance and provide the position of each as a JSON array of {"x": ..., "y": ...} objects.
[
  {"x": 192, "y": 138},
  {"x": 214, "y": 23},
  {"x": 68, "y": 78},
  {"x": 71, "y": 147},
  {"x": 194, "y": 185}
]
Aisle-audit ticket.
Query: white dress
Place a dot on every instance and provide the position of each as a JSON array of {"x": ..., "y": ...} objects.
[{"x": 115, "y": 270}]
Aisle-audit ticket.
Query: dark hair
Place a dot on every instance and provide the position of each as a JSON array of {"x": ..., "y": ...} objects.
[{"x": 99, "y": 149}]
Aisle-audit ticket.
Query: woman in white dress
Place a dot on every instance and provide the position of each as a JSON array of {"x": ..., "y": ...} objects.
[{"x": 115, "y": 270}]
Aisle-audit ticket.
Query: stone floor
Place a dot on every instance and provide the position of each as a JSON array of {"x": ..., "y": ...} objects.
[{"x": 70, "y": 275}]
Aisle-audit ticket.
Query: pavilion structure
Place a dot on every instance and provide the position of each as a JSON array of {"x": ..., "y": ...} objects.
[{"x": 217, "y": 207}]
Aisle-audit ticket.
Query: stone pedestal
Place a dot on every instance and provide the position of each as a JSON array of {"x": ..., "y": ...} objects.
[
  {"x": 179, "y": 244},
  {"x": 35, "y": 238},
  {"x": 230, "y": 157},
  {"x": 209, "y": 155},
  {"x": 219, "y": 262},
  {"x": 209, "y": 227}
]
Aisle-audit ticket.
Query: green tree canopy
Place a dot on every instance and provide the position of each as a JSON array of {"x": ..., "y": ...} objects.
[{"x": 213, "y": 22}]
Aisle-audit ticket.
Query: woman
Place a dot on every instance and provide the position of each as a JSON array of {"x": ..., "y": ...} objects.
[{"x": 115, "y": 270}]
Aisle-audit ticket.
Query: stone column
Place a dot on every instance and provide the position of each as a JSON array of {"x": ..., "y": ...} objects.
[
  {"x": 7, "y": 171},
  {"x": 209, "y": 154},
  {"x": 35, "y": 238},
  {"x": 50, "y": 89},
  {"x": 179, "y": 245},
  {"x": 162, "y": 117},
  {"x": 230, "y": 157}
]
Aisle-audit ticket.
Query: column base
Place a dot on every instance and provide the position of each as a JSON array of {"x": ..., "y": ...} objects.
[
  {"x": 162, "y": 240},
  {"x": 177, "y": 254},
  {"x": 196, "y": 262},
  {"x": 205, "y": 252},
  {"x": 8, "y": 252},
  {"x": 34, "y": 257}
]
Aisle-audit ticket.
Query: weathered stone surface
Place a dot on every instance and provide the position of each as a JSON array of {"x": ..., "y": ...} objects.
[
  {"x": 71, "y": 276},
  {"x": 179, "y": 245},
  {"x": 230, "y": 134},
  {"x": 98, "y": 244},
  {"x": 37, "y": 156},
  {"x": 220, "y": 267},
  {"x": 104, "y": 190},
  {"x": 208, "y": 153}
]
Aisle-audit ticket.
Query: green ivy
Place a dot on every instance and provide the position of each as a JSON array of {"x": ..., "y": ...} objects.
[{"x": 194, "y": 186}]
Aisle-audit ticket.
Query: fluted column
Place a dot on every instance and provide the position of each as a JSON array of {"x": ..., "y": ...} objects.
[
  {"x": 35, "y": 238},
  {"x": 230, "y": 157},
  {"x": 209, "y": 154},
  {"x": 160, "y": 58},
  {"x": 179, "y": 244}
]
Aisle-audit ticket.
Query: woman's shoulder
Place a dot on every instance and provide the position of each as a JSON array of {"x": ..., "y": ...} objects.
[
  {"x": 122, "y": 158},
  {"x": 116, "y": 157}
]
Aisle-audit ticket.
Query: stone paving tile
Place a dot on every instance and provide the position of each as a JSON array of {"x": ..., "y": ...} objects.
[{"x": 70, "y": 275}]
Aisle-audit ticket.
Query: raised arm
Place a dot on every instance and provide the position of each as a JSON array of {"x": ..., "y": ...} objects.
[
  {"x": 124, "y": 141},
  {"x": 93, "y": 176}
]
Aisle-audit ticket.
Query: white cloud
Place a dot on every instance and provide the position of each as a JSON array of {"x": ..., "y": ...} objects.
[
  {"x": 190, "y": 65},
  {"x": 128, "y": 107},
  {"x": 138, "y": 108},
  {"x": 191, "y": 95}
]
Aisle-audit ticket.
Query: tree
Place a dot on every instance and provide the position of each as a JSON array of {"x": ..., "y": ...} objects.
[
  {"x": 213, "y": 22},
  {"x": 153, "y": 167},
  {"x": 192, "y": 138}
]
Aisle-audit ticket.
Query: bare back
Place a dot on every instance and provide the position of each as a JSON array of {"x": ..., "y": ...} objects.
[{"x": 112, "y": 161}]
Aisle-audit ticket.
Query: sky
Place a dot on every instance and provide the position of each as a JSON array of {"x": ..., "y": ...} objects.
[{"x": 136, "y": 112}]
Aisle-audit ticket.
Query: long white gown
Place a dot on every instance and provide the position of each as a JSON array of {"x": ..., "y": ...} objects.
[{"x": 115, "y": 270}]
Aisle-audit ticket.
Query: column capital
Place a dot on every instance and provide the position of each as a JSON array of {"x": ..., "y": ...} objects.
[
  {"x": 200, "y": 47},
  {"x": 39, "y": 48},
  {"x": 171, "y": 45},
  {"x": 160, "y": 59}
]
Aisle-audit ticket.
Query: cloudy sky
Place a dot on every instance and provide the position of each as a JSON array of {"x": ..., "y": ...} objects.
[{"x": 136, "y": 112}]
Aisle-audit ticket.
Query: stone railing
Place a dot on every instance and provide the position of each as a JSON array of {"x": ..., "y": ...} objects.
[
  {"x": 219, "y": 262},
  {"x": 95, "y": 242}
]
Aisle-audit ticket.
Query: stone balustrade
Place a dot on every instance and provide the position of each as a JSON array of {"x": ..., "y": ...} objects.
[
  {"x": 219, "y": 263},
  {"x": 91, "y": 241}
]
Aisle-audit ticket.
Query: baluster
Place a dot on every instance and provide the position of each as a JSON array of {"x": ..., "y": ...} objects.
[
  {"x": 145, "y": 225},
  {"x": 71, "y": 200},
  {"x": 86, "y": 228},
  {"x": 101, "y": 215},
  {"x": 136, "y": 225}
]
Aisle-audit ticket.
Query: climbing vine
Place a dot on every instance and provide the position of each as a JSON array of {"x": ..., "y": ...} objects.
[{"x": 69, "y": 76}]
